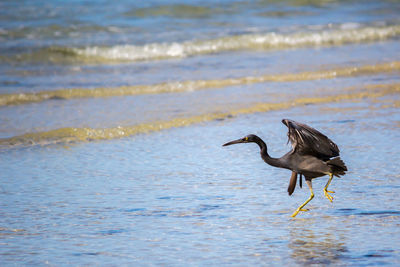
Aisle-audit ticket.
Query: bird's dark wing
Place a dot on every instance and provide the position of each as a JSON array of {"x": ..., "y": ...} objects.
[
  {"x": 308, "y": 141},
  {"x": 292, "y": 183}
]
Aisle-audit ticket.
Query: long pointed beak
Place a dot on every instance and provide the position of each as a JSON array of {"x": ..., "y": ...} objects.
[{"x": 234, "y": 142}]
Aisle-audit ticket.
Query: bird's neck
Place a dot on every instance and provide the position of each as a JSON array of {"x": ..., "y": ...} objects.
[{"x": 264, "y": 154}]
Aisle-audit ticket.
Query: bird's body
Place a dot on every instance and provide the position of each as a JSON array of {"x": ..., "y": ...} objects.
[
  {"x": 313, "y": 155},
  {"x": 309, "y": 166}
]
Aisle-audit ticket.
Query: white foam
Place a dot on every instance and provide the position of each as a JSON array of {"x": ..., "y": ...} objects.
[{"x": 329, "y": 35}]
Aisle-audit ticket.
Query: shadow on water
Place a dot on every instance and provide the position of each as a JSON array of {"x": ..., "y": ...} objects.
[{"x": 322, "y": 246}]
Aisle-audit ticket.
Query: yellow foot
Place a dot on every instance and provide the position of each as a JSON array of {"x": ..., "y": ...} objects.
[
  {"x": 327, "y": 195},
  {"x": 297, "y": 211}
]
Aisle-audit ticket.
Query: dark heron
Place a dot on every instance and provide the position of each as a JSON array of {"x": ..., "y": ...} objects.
[{"x": 313, "y": 155}]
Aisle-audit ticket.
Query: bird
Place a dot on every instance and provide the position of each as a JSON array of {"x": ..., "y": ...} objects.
[{"x": 313, "y": 155}]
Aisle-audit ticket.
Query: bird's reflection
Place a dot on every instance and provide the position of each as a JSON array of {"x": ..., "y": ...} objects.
[{"x": 319, "y": 246}]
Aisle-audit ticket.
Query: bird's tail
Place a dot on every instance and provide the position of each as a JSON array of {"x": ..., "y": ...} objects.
[{"x": 337, "y": 166}]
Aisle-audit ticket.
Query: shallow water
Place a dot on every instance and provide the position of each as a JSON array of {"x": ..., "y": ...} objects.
[
  {"x": 107, "y": 158},
  {"x": 178, "y": 197}
]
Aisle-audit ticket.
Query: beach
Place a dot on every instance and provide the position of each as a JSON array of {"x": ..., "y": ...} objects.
[{"x": 113, "y": 118}]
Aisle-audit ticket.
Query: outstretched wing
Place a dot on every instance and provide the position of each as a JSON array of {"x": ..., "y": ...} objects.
[{"x": 308, "y": 141}]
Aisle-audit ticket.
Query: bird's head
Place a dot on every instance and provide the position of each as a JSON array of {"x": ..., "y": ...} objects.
[{"x": 251, "y": 138}]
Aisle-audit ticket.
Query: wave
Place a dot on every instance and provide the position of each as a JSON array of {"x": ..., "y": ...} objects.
[
  {"x": 314, "y": 36},
  {"x": 74, "y": 135},
  {"x": 174, "y": 87}
]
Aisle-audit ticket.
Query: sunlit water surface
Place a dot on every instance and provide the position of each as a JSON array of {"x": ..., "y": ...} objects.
[
  {"x": 178, "y": 197},
  {"x": 101, "y": 175}
]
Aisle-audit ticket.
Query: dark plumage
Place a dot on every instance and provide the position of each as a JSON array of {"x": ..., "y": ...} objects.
[{"x": 313, "y": 155}]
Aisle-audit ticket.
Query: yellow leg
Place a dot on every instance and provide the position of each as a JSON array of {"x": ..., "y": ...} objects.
[
  {"x": 326, "y": 191},
  {"x": 305, "y": 203}
]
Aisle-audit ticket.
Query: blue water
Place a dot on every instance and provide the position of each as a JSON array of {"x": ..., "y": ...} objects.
[{"x": 176, "y": 197}]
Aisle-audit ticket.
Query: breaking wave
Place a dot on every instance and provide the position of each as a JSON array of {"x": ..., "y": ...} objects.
[{"x": 346, "y": 33}]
